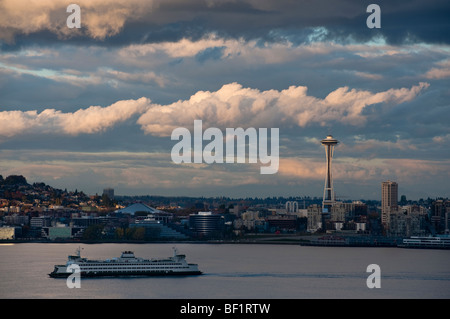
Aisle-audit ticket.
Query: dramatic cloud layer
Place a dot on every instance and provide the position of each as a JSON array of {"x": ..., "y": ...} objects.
[
  {"x": 230, "y": 106},
  {"x": 94, "y": 107}
]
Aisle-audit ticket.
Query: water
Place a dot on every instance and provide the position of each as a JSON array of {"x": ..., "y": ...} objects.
[{"x": 234, "y": 272}]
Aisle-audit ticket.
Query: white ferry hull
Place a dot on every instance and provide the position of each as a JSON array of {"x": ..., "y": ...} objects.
[
  {"x": 126, "y": 265},
  {"x": 60, "y": 273},
  {"x": 426, "y": 242}
]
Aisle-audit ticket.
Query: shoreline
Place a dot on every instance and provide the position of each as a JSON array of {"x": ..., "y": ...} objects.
[{"x": 270, "y": 241}]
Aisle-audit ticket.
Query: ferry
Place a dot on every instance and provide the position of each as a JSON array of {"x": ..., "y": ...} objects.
[
  {"x": 426, "y": 242},
  {"x": 126, "y": 265}
]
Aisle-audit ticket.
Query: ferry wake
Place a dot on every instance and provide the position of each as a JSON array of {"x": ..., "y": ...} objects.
[{"x": 127, "y": 265}]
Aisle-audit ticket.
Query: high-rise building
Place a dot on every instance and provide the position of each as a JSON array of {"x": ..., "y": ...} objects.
[
  {"x": 314, "y": 218},
  {"x": 389, "y": 200},
  {"x": 109, "y": 192},
  {"x": 440, "y": 210}
]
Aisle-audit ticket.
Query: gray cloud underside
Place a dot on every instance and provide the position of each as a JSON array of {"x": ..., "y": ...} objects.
[{"x": 123, "y": 22}]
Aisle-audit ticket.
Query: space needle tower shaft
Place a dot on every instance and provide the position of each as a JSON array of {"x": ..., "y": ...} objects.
[{"x": 328, "y": 192}]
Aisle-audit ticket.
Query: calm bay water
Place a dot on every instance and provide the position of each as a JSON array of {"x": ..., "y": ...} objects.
[{"x": 234, "y": 272}]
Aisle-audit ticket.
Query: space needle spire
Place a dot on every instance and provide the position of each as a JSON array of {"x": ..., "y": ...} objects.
[{"x": 328, "y": 192}]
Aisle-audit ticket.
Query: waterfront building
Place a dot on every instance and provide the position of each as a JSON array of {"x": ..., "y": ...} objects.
[
  {"x": 39, "y": 222},
  {"x": 86, "y": 221},
  {"x": 206, "y": 223},
  {"x": 440, "y": 211},
  {"x": 355, "y": 209},
  {"x": 236, "y": 209},
  {"x": 16, "y": 219},
  {"x": 360, "y": 227},
  {"x": 338, "y": 212},
  {"x": 314, "y": 218},
  {"x": 282, "y": 222},
  {"x": 154, "y": 229},
  {"x": 407, "y": 221},
  {"x": 145, "y": 210},
  {"x": 59, "y": 232},
  {"x": 250, "y": 220},
  {"x": 7, "y": 232},
  {"x": 291, "y": 207}
]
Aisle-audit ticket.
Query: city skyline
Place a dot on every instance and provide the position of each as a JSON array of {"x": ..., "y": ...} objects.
[{"x": 94, "y": 108}]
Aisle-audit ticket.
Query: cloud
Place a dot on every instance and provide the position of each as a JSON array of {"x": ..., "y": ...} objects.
[
  {"x": 91, "y": 120},
  {"x": 351, "y": 169},
  {"x": 176, "y": 49},
  {"x": 139, "y": 77},
  {"x": 440, "y": 72},
  {"x": 302, "y": 169},
  {"x": 230, "y": 106},
  {"x": 252, "y": 51},
  {"x": 368, "y": 75},
  {"x": 365, "y": 145},
  {"x": 235, "y": 106},
  {"x": 100, "y": 18},
  {"x": 177, "y": 69}
]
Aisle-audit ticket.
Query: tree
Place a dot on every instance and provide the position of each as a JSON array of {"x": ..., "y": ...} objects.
[
  {"x": 139, "y": 233},
  {"x": 108, "y": 202},
  {"x": 15, "y": 180},
  {"x": 93, "y": 232},
  {"x": 119, "y": 232},
  {"x": 403, "y": 200}
]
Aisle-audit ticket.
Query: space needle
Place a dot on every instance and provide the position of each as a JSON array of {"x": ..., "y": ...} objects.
[{"x": 328, "y": 192}]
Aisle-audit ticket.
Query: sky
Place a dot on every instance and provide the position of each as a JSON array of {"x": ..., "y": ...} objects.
[{"x": 95, "y": 107}]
